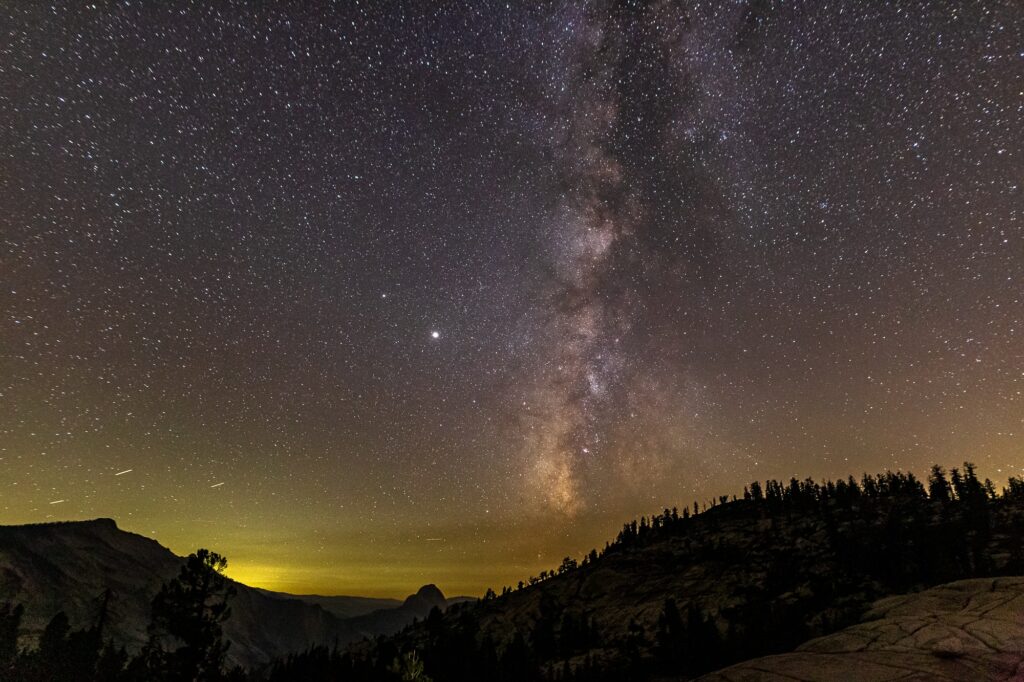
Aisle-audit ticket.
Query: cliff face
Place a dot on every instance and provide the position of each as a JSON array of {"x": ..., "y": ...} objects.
[
  {"x": 68, "y": 566},
  {"x": 966, "y": 630}
]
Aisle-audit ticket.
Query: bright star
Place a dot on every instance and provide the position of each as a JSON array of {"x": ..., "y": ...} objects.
[{"x": 435, "y": 335}]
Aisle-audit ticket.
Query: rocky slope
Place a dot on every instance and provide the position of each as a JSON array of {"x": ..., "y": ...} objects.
[
  {"x": 674, "y": 598},
  {"x": 68, "y": 566},
  {"x": 966, "y": 630}
]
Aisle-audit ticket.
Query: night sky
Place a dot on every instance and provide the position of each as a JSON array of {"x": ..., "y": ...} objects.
[{"x": 369, "y": 295}]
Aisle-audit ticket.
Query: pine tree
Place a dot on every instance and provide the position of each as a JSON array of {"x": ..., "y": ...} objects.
[
  {"x": 186, "y": 615},
  {"x": 409, "y": 668},
  {"x": 957, "y": 482},
  {"x": 938, "y": 486}
]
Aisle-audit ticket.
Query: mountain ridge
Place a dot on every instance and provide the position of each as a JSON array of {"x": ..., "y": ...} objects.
[{"x": 67, "y": 566}]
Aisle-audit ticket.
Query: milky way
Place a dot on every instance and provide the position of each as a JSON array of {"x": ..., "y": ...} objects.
[
  {"x": 369, "y": 295},
  {"x": 638, "y": 95}
]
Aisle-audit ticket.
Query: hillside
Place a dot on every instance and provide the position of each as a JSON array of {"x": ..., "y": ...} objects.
[
  {"x": 68, "y": 566},
  {"x": 681, "y": 594}
]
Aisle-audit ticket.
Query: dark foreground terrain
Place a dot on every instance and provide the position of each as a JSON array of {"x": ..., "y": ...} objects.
[
  {"x": 799, "y": 567},
  {"x": 967, "y": 630}
]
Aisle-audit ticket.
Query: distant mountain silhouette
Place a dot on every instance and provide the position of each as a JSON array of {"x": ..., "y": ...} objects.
[
  {"x": 67, "y": 566},
  {"x": 426, "y": 598},
  {"x": 341, "y": 606}
]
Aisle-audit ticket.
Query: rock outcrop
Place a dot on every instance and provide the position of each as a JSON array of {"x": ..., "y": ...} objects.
[{"x": 966, "y": 630}]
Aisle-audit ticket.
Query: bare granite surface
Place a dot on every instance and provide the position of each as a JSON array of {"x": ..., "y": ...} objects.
[{"x": 966, "y": 630}]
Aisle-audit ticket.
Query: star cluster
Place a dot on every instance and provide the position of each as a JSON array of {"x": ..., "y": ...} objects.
[{"x": 367, "y": 295}]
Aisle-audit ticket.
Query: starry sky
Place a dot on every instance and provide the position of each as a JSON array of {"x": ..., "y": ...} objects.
[{"x": 365, "y": 295}]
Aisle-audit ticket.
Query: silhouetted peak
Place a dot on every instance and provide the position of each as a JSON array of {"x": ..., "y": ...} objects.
[
  {"x": 430, "y": 591},
  {"x": 427, "y": 597}
]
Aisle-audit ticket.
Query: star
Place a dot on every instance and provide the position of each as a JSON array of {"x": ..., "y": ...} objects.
[{"x": 681, "y": 246}]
